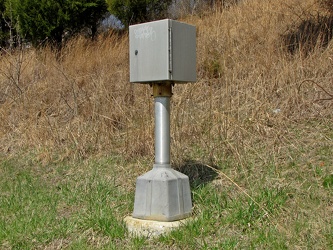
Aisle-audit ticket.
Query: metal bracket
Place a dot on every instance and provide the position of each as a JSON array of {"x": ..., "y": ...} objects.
[{"x": 162, "y": 89}]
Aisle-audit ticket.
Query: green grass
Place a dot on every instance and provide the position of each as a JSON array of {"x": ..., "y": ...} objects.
[
  {"x": 222, "y": 222},
  {"x": 42, "y": 206},
  {"x": 81, "y": 205}
]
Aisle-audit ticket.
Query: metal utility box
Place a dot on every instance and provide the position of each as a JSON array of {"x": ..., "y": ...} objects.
[{"x": 162, "y": 50}]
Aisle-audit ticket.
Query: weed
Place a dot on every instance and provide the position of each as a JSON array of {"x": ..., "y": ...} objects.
[{"x": 328, "y": 181}]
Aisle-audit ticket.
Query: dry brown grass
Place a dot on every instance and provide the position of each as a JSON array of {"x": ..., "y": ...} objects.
[{"x": 250, "y": 95}]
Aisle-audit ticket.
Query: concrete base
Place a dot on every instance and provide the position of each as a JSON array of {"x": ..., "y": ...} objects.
[
  {"x": 162, "y": 194},
  {"x": 150, "y": 228}
]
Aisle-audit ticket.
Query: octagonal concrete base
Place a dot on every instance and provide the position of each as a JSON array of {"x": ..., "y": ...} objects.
[
  {"x": 150, "y": 228},
  {"x": 162, "y": 194}
]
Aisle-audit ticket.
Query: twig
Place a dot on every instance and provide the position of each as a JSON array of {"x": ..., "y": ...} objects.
[{"x": 319, "y": 86}]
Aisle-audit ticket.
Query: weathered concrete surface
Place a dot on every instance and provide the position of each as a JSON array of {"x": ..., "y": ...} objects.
[
  {"x": 162, "y": 194},
  {"x": 150, "y": 228}
]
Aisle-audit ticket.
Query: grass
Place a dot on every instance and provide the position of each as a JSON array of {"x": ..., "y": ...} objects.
[
  {"x": 42, "y": 207},
  {"x": 82, "y": 205},
  {"x": 74, "y": 135}
]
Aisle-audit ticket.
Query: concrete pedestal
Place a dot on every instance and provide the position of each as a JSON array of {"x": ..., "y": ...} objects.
[{"x": 162, "y": 194}]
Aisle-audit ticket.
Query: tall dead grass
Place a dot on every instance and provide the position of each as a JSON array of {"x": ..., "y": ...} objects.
[{"x": 250, "y": 102}]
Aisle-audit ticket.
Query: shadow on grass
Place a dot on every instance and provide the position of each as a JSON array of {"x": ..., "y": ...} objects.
[
  {"x": 197, "y": 172},
  {"x": 311, "y": 33}
]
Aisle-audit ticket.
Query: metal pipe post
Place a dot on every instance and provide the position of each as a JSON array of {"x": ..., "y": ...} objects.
[
  {"x": 162, "y": 94},
  {"x": 162, "y": 130}
]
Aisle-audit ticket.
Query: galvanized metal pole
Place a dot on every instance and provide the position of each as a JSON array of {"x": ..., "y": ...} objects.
[
  {"x": 162, "y": 130},
  {"x": 162, "y": 94}
]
